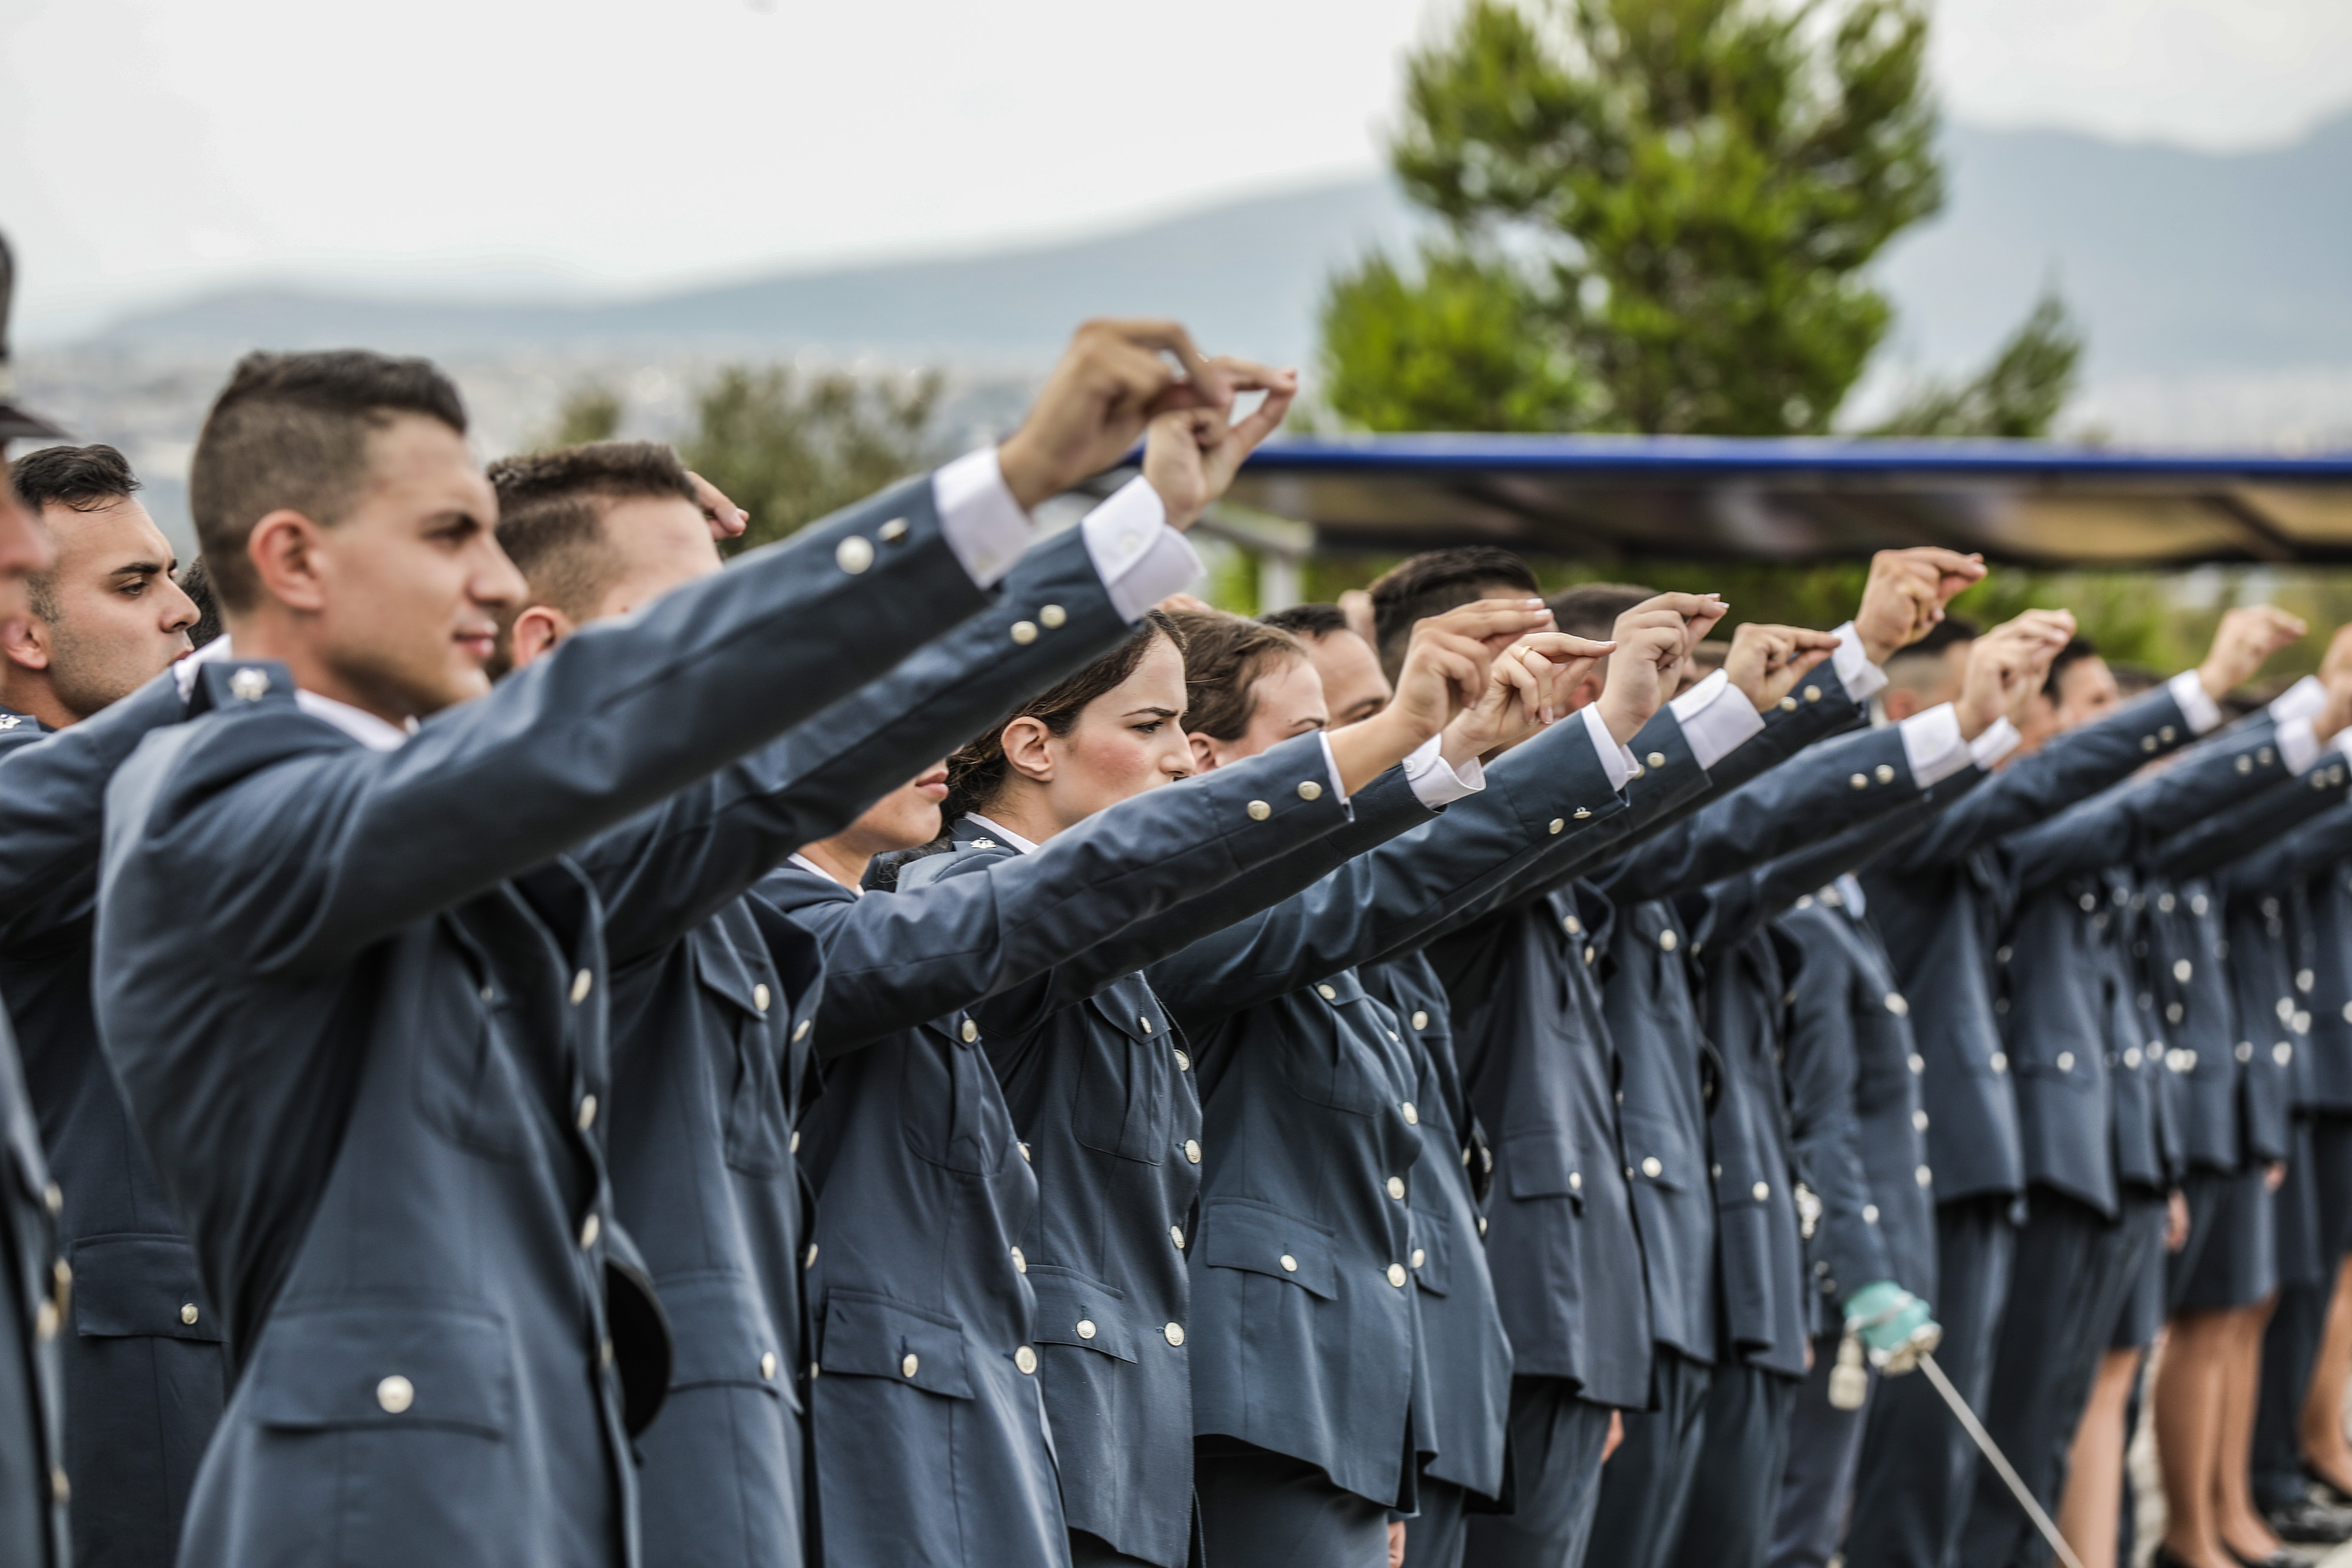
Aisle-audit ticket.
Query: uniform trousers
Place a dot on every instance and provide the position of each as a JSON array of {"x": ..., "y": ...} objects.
[
  {"x": 2073, "y": 1276},
  {"x": 1646, "y": 1488},
  {"x": 1918, "y": 1467},
  {"x": 2315, "y": 1208},
  {"x": 1742, "y": 1451},
  {"x": 1817, "y": 1482},
  {"x": 1258, "y": 1506},
  {"x": 1557, "y": 1441},
  {"x": 1435, "y": 1537}
]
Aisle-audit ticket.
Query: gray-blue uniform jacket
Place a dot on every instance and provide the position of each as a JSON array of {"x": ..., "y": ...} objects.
[
  {"x": 1468, "y": 1351},
  {"x": 140, "y": 1351},
  {"x": 2055, "y": 993},
  {"x": 1936, "y": 901},
  {"x": 924, "y": 1199},
  {"x": 2329, "y": 895},
  {"x": 710, "y": 1036},
  {"x": 357, "y": 1000},
  {"x": 33, "y": 1487}
]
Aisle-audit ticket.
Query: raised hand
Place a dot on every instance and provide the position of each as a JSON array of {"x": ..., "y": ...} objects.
[
  {"x": 1446, "y": 668},
  {"x": 1652, "y": 639},
  {"x": 1112, "y": 381},
  {"x": 1528, "y": 687},
  {"x": 2001, "y": 674},
  {"x": 725, "y": 518},
  {"x": 1767, "y": 662},
  {"x": 1191, "y": 454},
  {"x": 2247, "y": 636},
  {"x": 2037, "y": 637},
  {"x": 1906, "y": 595}
]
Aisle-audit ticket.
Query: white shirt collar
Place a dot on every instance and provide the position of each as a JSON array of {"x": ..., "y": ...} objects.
[
  {"x": 375, "y": 734},
  {"x": 802, "y": 861},
  {"x": 1003, "y": 833}
]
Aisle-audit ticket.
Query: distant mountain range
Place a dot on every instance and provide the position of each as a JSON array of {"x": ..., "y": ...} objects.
[{"x": 2182, "y": 264}]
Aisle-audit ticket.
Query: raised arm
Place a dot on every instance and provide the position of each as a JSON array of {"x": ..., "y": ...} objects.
[{"x": 2229, "y": 836}]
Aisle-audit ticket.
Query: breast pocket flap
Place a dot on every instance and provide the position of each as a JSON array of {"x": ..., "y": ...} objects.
[
  {"x": 719, "y": 1332},
  {"x": 383, "y": 1365},
  {"x": 1075, "y": 1310},
  {"x": 1239, "y": 1233},
  {"x": 130, "y": 1286},
  {"x": 871, "y": 1336}
]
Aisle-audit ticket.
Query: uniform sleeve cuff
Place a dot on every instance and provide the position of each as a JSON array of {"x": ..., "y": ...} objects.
[
  {"x": 1861, "y": 677},
  {"x": 1616, "y": 761},
  {"x": 984, "y": 524},
  {"x": 1997, "y": 741},
  {"x": 2302, "y": 700},
  {"x": 1716, "y": 718},
  {"x": 1437, "y": 782},
  {"x": 2299, "y": 747},
  {"x": 1331, "y": 765},
  {"x": 2202, "y": 712},
  {"x": 1933, "y": 746},
  {"x": 1141, "y": 559}
]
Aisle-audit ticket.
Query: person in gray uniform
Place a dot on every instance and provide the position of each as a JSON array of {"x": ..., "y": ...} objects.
[
  {"x": 34, "y": 1490},
  {"x": 709, "y": 1043},
  {"x": 143, "y": 1374},
  {"x": 357, "y": 994},
  {"x": 1936, "y": 908}
]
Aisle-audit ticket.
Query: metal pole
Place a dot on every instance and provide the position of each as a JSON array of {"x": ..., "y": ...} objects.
[{"x": 1997, "y": 1460}]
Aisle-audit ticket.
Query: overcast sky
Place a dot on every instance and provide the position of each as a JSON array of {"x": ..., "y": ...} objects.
[{"x": 149, "y": 148}]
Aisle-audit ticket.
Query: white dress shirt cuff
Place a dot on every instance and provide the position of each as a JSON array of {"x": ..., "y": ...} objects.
[
  {"x": 2302, "y": 700},
  {"x": 985, "y": 524},
  {"x": 1999, "y": 738},
  {"x": 1716, "y": 718},
  {"x": 1932, "y": 745},
  {"x": 1616, "y": 761},
  {"x": 1141, "y": 559},
  {"x": 1436, "y": 781},
  {"x": 2343, "y": 743},
  {"x": 2299, "y": 747},
  {"x": 1862, "y": 678},
  {"x": 2202, "y": 712}
]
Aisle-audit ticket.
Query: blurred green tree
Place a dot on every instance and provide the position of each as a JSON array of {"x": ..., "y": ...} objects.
[
  {"x": 2019, "y": 395},
  {"x": 1658, "y": 216},
  {"x": 788, "y": 454},
  {"x": 590, "y": 412}
]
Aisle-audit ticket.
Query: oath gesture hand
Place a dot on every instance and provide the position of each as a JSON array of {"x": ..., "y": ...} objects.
[
  {"x": 1113, "y": 380},
  {"x": 2247, "y": 636},
  {"x": 1191, "y": 454},
  {"x": 1906, "y": 595},
  {"x": 1767, "y": 662}
]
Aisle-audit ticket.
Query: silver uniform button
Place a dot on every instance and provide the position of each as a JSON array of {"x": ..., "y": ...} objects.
[
  {"x": 971, "y": 1031},
  {"x": 1024, "y": 1358},
  {"x": 1025, "y": 631},
  {"x": 1183, "y": 1063},
  {"x": 1396, "y": 1187},
  {"x": 2065, "y": 1061},
  {"x": 1326, "y": 993},
  {"x": 2089, "y": 901},
  {"x": 1020, "y": 1262},
  {"x": 1309, "y": 790},
  {"x": 1419, "y": 1256},
  {"x": 1411, "y": 1113},
  {"x": 395, "y": 1393},
  {"x": 1919, "y": 1121},
  {"x": 1191, "y": 1150},
  {"x": 590, "y": 1229},
  {"x": 911, "y": 1364},
  {"x": 1924, "y": 1177},
  {"x": 2001, "y": 1062},
  {"x": 1788, "y": 705},
  {"x": 1652, "y": 1166},
  {"x": 1760, "y": 1191},
  {"x": 1656, "y": 759},
  {"x": 1897, "y": 1005},
  {"x": 1052, "y": 616},
  {"x": 2132, "y": 1057},
  {"x": 1668, "y": 940},
  {"x": 1918, "y": 1064},
  {"x": 792, "y": 1144},
  {"x": 1175, "y": 1332},
  {"x": 188, "y": 1313},
  {"x": 582, "y": 983},
  {"x": 248, "y": 684},
  {"x": 760, "y": 997},
  {"x": 808, "y": 1258},
  {"x": 1869, "y": 1214},
  {"x": 1258, "y": 810},
  {"x": 853, "y": 555},
  {"x": 2282, "y": 1053},
  {"x": 1176, "y": 1234},
  {"x": 587, "y": 1114},
  {"x": 768, "y": 1366},
  {"x": 1420, "y": 1019},
  {"x": 1144, "y": 1021},
  {"x": 1884, "y": 773},
  {"x": 1086, "y": 1328},
  {"x": 891, "y": 532},
  {"x": 1812, "y": 693},
  {"x": 2245, "y": 1050},
  {"x": 1575, "y": 1180},
  {"x": 1289, "y": 1264},
  {"x": 1858, "y": 782},
  {"x": 1558, "y": 823},
  {"x": 2182, "y": 970},
  {"x": 800, "y": 1030},
  {"x": 1396, "y": 1275}
]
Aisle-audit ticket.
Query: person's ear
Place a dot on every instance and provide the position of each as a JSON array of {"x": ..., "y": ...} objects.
[
  {"x": 1026, "y": 750},
  {"x": 283, "y": 549},
  {"x": 1204, "y": 752},
  {"x": 1900, "y": 703},
  {"x": 536, "y": 632},
  {"x": 1589, "y": 688},
  {"x": 25, "y": 642}
]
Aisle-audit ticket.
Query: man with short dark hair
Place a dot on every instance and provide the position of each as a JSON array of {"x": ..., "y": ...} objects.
[
  {"x": 1355, "y": 687},
  {"x": 1436, "y": 581},
  {"x": 141, "y": 1348},
  {"x": 355, "y": 989},
  {"x": 32, "y": 1450}
]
